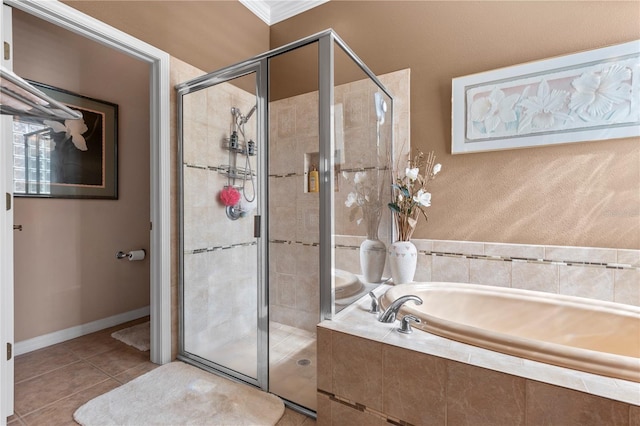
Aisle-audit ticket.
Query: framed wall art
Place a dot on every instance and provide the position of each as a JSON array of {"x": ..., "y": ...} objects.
[
  {"x": 586, "y": 96},
  {"x": 68, "y": 158}
]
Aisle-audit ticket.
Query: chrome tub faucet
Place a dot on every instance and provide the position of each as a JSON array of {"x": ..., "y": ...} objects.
[{"x": 389, "y": 315}]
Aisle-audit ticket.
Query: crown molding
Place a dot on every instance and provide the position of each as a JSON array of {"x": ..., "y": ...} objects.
[{"x": 274, "y": 11}]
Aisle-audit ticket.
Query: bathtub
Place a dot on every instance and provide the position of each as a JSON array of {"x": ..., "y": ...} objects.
[{"x": 583, "y": 334}]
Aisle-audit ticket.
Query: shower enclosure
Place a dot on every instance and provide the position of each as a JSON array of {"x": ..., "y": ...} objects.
[{"x": 284, "y": 160}]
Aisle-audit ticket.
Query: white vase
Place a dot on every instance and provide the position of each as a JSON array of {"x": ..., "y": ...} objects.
[
  {"x": 403, "y": 257},
  {"x": 373, "y": 254}
]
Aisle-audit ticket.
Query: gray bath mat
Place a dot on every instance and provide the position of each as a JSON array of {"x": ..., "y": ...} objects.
[
  {"x": 138, "y": 336},
  {"x": 180, "y": 394}
]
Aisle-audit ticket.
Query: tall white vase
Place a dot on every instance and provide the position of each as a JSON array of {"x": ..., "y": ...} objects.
[
  {"x": 403, "y": 258},
  {"x": 373, "y": 254}
]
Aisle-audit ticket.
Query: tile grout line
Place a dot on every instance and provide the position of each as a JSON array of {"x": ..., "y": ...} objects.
[
  {"x": 65, "y": 397},
  {"x": 49, "y": 371}
]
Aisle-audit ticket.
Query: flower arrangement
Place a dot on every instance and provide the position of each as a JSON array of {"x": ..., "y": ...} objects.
[
  {"x": 366, "y": 199},
  {"x": 410, "y": 196}
]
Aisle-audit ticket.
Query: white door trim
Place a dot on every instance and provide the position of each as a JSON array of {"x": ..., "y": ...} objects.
[
  {"x": 160, "y": 242},
  {"x": 6, "y": 236}
]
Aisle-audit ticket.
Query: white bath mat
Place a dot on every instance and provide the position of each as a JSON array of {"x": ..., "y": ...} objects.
[
  {"x": 138, "y": 336},
  {"x": 180, "y": 394}
]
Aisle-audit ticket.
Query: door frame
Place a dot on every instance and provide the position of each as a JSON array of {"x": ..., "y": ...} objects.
[
  {"x": 259, "y": 68},
  {"x": 160, "y": 154},
  {"x": 6, "y": 239}
]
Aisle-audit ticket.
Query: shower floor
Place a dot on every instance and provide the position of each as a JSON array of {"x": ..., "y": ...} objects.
[
  {"x": 292, "y": 361},
  {"x": 292, "y": 364}
]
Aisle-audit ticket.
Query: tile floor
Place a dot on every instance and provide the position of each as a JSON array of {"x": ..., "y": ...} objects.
[{"x": 51, "y": 383}]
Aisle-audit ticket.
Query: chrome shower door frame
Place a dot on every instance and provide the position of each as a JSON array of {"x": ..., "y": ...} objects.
[
  {"x": 327, "y": 40},
  {"x": 259, "y": 68}
]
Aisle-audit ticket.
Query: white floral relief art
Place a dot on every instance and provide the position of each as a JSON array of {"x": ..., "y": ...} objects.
[{"x": 580, "y": 98}]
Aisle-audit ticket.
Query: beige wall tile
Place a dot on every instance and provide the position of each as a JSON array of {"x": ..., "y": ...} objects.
[
  {"x": 590, "y": 282},
  {"x": 307, "y": 293},
  {"x": 294, "y": 317},
  {"x": 348, "y": 260},
  {"x": 629, "y": 257},
  {"x": 627, "y": 286},
  {"x": 423, "y": 268},
  {"x": 357, "y": 370},
  {"x": 281, "y": 155},
  {"x": 286, "y": 122},
  {"x": 282, "y": 258},
  {"x": 460, "y": 247},
  {"x": 414, "y": 386},
  {"x": 307, "y": 115},
  {"x": 580, "y": 254},
  {"x": 490, "y": 272},
  {"x": 476, "y": 396},
  {"x": 450, "y": 269},
  {"x": 426, "y": 245},
  {"x": 514, "y": 250},
  {"x": 534, "y": 276},
  {"x": 323, "y": 410},
  {"x": 342, "y": 414},
  {"x": 324, "y": 369},
  {"x": 285, "y": 286},
  {"x": 553, "y": 405}
]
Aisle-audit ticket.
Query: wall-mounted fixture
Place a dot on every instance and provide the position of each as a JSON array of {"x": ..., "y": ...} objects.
[
  {"x": 237, "y": 199},
  {"x": 19, "y": 98}
]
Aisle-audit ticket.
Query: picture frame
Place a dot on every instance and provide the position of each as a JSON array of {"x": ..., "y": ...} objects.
[
  {"x": 586, "y": 96},
  {"x": 72, "y": 158}
]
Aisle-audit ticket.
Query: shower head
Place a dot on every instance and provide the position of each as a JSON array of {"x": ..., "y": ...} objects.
[{"x": 251, "y": 111}]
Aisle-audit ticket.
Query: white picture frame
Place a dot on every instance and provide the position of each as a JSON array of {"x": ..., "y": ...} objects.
[{"x": 586, "y": 96}]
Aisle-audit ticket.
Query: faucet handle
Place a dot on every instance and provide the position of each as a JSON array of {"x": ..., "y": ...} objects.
[
  {"x": 375, "y": 304},
  {"x": 405, "y": 326}
]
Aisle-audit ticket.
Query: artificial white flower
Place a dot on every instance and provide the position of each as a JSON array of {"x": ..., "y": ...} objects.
[
  {"x": 494, "y": 109},
  {"x": 542, "y": 110},
  {"x": 73, "y": 130},
  {"x": 596, "y": 95},
  {"x": 423, "y": 198},
  {"x": 360, "y": 177},
  {"x": 412, "y": 174},
  {"x": 351, "y": 199},
  {"x": 437, "y": 168}
]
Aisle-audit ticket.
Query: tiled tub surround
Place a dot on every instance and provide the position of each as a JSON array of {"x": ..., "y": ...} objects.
[
  {"x": 370, "y": 374},
  {"x": 612, "y": 275}
]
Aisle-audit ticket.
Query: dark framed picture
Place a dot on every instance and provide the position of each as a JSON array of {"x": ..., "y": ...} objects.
[{"x": 68, "y": 158}]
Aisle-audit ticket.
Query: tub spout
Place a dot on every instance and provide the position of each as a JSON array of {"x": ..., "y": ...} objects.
[{"x": 389, "y": 315}]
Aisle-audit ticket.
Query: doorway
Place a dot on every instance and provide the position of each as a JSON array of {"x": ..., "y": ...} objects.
[
  {"x": 65, "y": 270},
  {"x": 69, "y": 18}
]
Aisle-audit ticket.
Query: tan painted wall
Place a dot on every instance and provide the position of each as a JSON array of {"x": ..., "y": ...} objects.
[
  {"x": 66, "y": 273},
  {"x": 584, "y": 194},
  {"x": 207, "y": 34}
]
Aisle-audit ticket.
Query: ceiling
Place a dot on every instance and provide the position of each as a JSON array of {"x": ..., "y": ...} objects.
[{"x": 274, "y": 11}]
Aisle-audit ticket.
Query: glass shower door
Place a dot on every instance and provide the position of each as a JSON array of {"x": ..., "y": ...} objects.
[{"x": 222, "y": 304}]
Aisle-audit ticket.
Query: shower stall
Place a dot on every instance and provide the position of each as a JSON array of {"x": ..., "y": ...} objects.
[{"x": 274, "y": 153}]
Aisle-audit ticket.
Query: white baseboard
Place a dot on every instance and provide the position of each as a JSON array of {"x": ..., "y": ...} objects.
[{"x": 45, "y": 340}]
